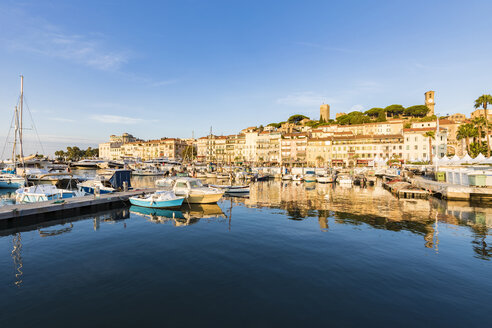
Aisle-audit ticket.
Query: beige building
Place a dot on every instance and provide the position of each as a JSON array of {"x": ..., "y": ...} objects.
[
  {"x": 417, "y": 144},
  {"x": 170, "y": 148},
  {"x": 293, "y": 148},
  {"x": 318, "y": 152},
  {"x": 482, "y": 112}
]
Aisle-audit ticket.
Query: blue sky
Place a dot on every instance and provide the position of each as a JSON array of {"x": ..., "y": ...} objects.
[{"x": 167, "y": 68}]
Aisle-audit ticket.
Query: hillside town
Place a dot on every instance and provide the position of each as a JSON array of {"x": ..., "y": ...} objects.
[{"x": 411, "y": 135}]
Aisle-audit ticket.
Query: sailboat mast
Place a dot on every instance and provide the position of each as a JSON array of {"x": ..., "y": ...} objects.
[
  {"x": 16, "y": 131},
  {"x": 20, "y": 120}
]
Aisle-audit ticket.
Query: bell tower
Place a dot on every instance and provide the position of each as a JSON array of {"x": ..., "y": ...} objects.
[{"x": 429, "y": 102}]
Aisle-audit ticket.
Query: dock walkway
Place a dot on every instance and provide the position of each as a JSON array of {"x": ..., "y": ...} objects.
[
  {"x": 453, "y": 191},
  {"x": 76, "y": 204}
]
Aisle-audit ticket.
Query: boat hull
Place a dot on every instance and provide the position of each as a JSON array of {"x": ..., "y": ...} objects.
[
  {"x": 157, "y": 204},
  {"x": 203, "y": 198},
  {"x": 90, "y": 190},
  {"x": 12, "y": 184}
]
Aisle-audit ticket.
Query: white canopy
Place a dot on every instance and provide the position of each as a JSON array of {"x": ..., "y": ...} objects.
[
  {"x": 445, "y": 160},
  {"x": 466, "y": 159},
  {"x": 479, "y": 159},
  {"x": 454, "y": 160},
  {"x": 488, "y": 160}
]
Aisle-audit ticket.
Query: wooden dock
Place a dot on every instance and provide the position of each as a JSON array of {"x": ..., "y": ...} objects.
[{"x": 70, "y": 206}]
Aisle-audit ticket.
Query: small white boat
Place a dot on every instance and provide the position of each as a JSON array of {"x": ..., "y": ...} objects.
[
  {"x": 196, "y": 192},
  {"x": 201, "y": 175},
  {"x": 42, "y": 193},
  {"x": 345, "y": 180},
  {"x": 211, "y": 175},
  {"x": 324, "y": 179},
  {"x": 223, "y": 176},
  {"x": 287, "y": 177},
  {"x": 232, "y": 189},
  {"x": 159, "y": 199},
  {"x": 150, "y": 171}
]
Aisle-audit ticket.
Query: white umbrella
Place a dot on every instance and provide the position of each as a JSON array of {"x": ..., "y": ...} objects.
[{"x": 488, "y": 160}]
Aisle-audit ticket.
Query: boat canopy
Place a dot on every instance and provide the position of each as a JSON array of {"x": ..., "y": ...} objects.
[{"x": 120, "y": 176}]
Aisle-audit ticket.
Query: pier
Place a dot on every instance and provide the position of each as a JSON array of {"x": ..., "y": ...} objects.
[
  {"x": 451, "y": 191},
  {"x": 77, "y": 205}
]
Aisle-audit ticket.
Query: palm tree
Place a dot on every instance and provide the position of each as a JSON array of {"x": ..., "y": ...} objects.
[
  {"x": 479, "y": 122},
  {"x": 430, "y": 135},
  {"x": 483, "y": 101},
  {"x": 466, "y": 131}
]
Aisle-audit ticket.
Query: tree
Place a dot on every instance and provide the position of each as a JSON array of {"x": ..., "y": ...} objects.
[
  {"x": 296, "y": 118},
  {"x": 394, "y": 110},
  {"x": 320, "y": 160},
  {"x": 275, "y": 125},
  {"x": 480, "y": 122},
  {"x": 430, "y": 135},
  {"x": 374, "y": 112},
  {"x": 483, "y": 101},
  {"x": 466, "y": 131},
  {"x": 353, "y": 118},
  {"x": 416, "y": 111},
  {"x": 60, "y": 154}
]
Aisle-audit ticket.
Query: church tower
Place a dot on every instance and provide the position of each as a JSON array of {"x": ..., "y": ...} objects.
[
  {"x": 429, "y": 102},
  {"x": 324, "y": 112}
]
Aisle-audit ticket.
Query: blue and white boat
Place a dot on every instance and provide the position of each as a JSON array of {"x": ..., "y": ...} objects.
[
  {"x": 159, "y": 199},
  {"x": 11, "y": 181},
  {"x": 310, "y": 176},
  {"x": 43, "y": 193}
]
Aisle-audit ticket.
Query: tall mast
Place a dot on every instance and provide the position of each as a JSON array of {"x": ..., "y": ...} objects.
[
  {"x": 16, "y": 131},
  {"x": 20, "y": 120}
]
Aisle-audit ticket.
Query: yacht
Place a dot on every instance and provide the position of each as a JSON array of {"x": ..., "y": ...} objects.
[{"x": 42, "y": 193}]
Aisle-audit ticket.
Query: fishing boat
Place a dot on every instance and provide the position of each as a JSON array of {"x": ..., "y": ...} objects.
[
  {"x": 159, "y": 199},
  {"x": 232, "y": 190},
  {"x": 42, "y": 193},
  {"x": 196, "y": 192},
  {"x": 310, "y": 176}
]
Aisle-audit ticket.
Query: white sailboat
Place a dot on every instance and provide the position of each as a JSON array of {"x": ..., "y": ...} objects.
[{"x": 9, "y": 178}]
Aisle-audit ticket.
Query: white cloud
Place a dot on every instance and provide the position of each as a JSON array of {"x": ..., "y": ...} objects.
[
  {"x": 304, "y": 99},
  {"x": 115, "y": 119},
  {"x": 357, "y": 107},
  {"x": 28, "y": 33}
]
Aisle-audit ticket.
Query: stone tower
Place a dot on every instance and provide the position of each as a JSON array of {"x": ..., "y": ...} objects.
[
  {"x": 324, "y": 112},
  {"x": 429, "y": 102}
]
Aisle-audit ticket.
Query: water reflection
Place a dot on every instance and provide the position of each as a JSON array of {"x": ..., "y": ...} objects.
[{"x": 185, "y": 216}]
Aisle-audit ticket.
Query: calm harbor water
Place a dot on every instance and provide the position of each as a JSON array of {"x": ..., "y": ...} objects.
[{"x": 290, "y": 255}]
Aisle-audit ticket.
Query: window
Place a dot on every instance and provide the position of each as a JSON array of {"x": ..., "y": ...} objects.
[{"x": 416, "y": 147}]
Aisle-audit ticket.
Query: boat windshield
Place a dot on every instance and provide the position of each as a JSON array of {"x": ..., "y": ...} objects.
[{"x": 196, "y": 184}]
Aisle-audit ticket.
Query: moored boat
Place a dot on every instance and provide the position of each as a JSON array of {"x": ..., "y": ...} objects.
[
  {"x": 310, "y": 176},
  {"x": 232, "y": 189},
  {"x": 42, "y": 193},
  {"x": 196, "y": 192},
  {"x": 325, "y": 179},
  {"x": 159, "y": 199},
  {"x": 11, "y": 181}
]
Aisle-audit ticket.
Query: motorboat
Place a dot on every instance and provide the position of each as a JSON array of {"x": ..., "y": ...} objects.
[
  {"x": 232, "y": 190},
  {"x": 159, "y": 199},
  {"x": 196, "y": 192},
  {"x": 201, "y": 175},
  {"x": 88, "y": 164},
  {"x": 11, "y": 181},
  {"x": 310, "y": 176},
  {"x": 223, "y": 176},
  {"x": 42, "y": 193},
  {"x": 149, "y": 171},
  {"x": 287, "y": 177}
]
